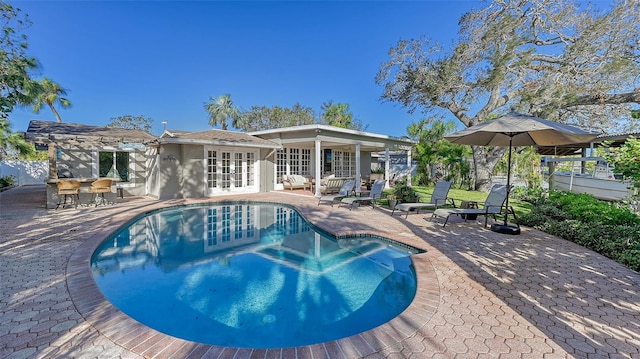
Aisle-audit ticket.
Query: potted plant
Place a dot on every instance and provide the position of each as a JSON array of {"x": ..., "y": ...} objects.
[
  {"x": 376, "y": 173},
  {"x": 391, "y": 199},
  {"x": 368, "y": 185}
]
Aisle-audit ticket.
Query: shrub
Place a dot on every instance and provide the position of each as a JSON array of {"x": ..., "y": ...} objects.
[
  {"x": 405, "y": 193},
  {"x": 528, "y": 194},
  {"x": 600, "y": 226},
  {"x": 7, "y": 181}
]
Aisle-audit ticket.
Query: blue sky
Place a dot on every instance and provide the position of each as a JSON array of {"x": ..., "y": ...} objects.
[{"x": 164, "y": 60}]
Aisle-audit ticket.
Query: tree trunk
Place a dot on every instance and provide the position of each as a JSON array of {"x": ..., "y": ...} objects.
[
  {"x": 55, "y": 112},
  {"x": 484, "y": 161}
]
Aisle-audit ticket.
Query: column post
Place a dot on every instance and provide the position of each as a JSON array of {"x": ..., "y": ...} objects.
[
  {"x": 318, "y": 172},
  {"x": 387, "y": 160},
  {"x": 409, "y": 167},
  {"x": 358, "y": 171}
]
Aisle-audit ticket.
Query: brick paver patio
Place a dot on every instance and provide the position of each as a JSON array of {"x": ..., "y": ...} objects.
[{"x": 480, "y": 294}]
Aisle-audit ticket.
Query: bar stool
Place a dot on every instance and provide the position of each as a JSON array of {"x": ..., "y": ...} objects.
[
  {"x": 68, "y": 188},
  {"x": 99, "y": 188}
]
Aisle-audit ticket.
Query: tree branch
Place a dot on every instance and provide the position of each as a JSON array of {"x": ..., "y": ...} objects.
[{"x": 606, "y": 99}]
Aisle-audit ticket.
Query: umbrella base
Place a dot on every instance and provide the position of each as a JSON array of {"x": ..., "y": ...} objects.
[{"x": 505, "y": 229}]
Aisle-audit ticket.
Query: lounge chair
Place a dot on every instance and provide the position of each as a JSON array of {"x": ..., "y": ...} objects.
[
  {"x": 492, "y": 206},
  {"x": 438, "y": 198},
  {"x": 375, "y": 194},
  {"x": 345, "y": 190}
]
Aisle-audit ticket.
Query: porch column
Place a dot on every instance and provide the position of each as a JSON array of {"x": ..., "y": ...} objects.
[
  {"x": 409, "y": 167},
  {"x": 358, "y": 172},
  {"x": 53, "y": 161},
  {"x": 386, "y": 167},
  {"x": 318, "y": 172}
]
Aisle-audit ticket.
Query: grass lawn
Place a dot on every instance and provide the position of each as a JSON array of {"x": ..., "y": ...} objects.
[{"x": 459, "y": 195}]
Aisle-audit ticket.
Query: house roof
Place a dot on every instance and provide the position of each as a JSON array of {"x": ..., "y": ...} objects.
[
  {"x": 216, "y": 137},
  {"x": 333, "y": 136},
  {"x": 65, "y": 132}
]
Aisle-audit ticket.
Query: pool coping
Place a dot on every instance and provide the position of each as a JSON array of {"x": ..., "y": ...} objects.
[{"x": 145, "y": 341}]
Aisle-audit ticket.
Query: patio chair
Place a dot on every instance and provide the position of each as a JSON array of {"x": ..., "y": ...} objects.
[
  {"x": 375, "y": 194},
  {"x": 347, "y": 187},
  {"x": 99, "y": 188},
  {"x": 492, "y": 206},
  {"x": 438, "y": 198},
  {"x": 68, "y": 188}
]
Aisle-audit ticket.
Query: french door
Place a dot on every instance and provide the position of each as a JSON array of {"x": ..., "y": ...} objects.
[{"x": 231, "y": 170}]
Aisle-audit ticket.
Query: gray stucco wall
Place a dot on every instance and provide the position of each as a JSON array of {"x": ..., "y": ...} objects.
[
  {"x": 193, "y": 174},
  {"x": 170, "y": 173},
  {"x": 75, "y": 159},
  {"x": 267, "y": 170}
]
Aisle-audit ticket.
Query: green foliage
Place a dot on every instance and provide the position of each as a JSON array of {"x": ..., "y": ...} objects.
[
  {"x": 339, "y": 115},
  {"x": 379, "y": 170},
  {"x": 405, "y": 193},
  {"x": 221, "y": 109},
  {"x": 588, "y": 209},
  {"x": 15, "y": 65},
  {"x": 528, "y": 194},
  {"x": 48, "y": 92},
  {"x": 600, "y": 226},
  {"x": 131, "y": 122},
  {"x": 259, "y": 118},
  {"x": 626, "y": 160},
  {"x": 12, "y": 144},
  {"x": 7, "y": 181},
  {"x": 545, "y": 58},
  {"x": 438, "y": 158}
]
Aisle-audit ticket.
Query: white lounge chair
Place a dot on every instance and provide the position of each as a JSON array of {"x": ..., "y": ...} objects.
[
  {"x": 438, "y": 198},
  {"x": 492, "y": 206},
  {"x": 345, "y": 190},
  {"x": 375, "y": 194}
]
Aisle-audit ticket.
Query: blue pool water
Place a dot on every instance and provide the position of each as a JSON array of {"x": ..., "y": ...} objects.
[{"x": 251, "y": 275}]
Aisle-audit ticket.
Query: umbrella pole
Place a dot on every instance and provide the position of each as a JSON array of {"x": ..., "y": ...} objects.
[{"x": 506, "y": 208}]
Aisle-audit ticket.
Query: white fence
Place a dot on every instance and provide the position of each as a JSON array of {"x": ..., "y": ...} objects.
[{"x": 25, "y": 172}]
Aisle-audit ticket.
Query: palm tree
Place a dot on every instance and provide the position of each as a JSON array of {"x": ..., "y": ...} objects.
[
  {"x": 12, "y": 141},
  {"x": 49, "y": 92},
  {"x": 220, "y": 109}
]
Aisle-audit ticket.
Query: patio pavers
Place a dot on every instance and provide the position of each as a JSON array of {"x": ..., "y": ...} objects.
[{"x": 481, "y": 294}]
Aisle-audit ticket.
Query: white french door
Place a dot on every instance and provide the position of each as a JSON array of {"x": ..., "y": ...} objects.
[{"x": 231, "y": 170}]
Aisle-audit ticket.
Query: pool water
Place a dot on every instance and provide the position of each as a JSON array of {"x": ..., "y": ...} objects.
[{"x": 252, "y": 276}]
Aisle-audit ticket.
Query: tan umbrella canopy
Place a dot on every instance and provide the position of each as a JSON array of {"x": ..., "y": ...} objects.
[{"x": 516, "y": 129}]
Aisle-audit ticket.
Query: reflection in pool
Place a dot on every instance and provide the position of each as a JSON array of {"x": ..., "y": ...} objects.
[{"x": 251, "y": 275}]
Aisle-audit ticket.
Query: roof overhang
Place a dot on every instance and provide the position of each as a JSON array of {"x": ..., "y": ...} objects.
[
  {"x": 183, "y": 141},
  {"x": 331, "y": 136}
]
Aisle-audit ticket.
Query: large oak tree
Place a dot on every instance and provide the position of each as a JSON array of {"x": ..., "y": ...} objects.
[{"x": 562, "y": 60}]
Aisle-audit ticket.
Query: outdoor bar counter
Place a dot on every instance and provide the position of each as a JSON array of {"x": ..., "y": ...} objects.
[{"x": 85, "y": 196}]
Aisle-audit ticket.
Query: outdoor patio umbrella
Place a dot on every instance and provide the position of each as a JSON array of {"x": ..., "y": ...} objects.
[{"x": 516, "y": 129}]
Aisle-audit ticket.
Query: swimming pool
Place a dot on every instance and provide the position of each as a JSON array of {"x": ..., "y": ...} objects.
[{"x": 251, "y": 275}]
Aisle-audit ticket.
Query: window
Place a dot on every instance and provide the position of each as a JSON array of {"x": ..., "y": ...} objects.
[
  {"x": 344, "y": 164},
  {"x": 237, "y": 171},
  {"x": 212, "y": 169},
  {"x": 251, "y": 160},
  {"x": 326, "y": 161},
  {"x": 305, "y": 162},
  {"x": 114, "y": 164},
  {"x": 294, "y": 161},
  {"x": 281, "y": 164}
]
